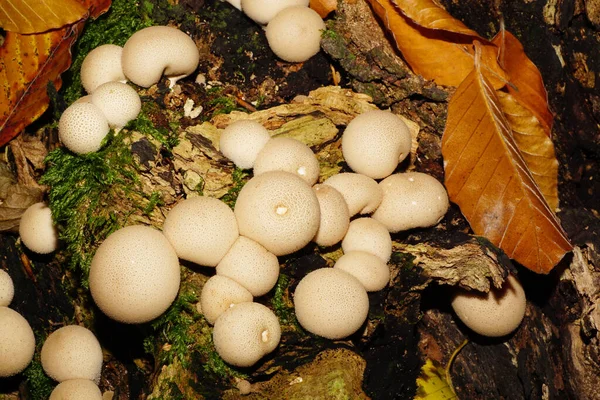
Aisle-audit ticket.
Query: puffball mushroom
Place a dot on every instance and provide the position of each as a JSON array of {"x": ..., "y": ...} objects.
[
  {"x": 201, "y": 230},
  {"x": 82, "y": 127},
  {"x": 17, "y": 343},
  {"x": 294, "y": 34},
  {"x": 37, "y": 229},
  {"x": 134, "y": 275},
  {"x": 263, "y": 11},
  {"x": 219, "y": 294},
  {"x": 75, "y": 389},
  {"x": 119, "y": 103},
  {"x": 241, "y": 142},
  {"x": 375, "y": 142},
  {"x": 7, "y": 288},
  {"x": 331, "y": 303},
  {"x": 373, "y": 273},
  {"x": 496, "y": 313},
  {"x": 155, "y": 51},
  {"x": 362, "y": 194},
  {"x": 246, "y": 333},
  {"x": 290, "y": 155},
  {"x": 278, "y": 210},
  {"x": 72, "y": 352},
  {"x": 411, "y": 200},
  {"x": 367, "y": 234},
  {"x": 251, "y": 265},
  {"x": 101, "y": 65},
  {"x": 335, "y": 217}
]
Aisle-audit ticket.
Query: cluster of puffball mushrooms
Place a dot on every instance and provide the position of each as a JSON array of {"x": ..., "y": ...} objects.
[{"x": 135, "y": 272}]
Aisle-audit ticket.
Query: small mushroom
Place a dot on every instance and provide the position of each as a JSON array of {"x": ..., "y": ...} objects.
[
  {"x": 119, "y": 103},
  {"x": 37, "y": 229},
  {"x": 246, "y": 333},
  {"x": 101, "y": 65},
  {"x": 82, "y": 127},
  {"x": 155, "y": 51},
  {"x": 242, "y": 140},
  {"x": 373, "y": 273},
  {"x": 72, "y": 352},
  {"x": 369, "y": 235},
  {"x": 17, "y": 342},
  {"x": 335, "y": 216},
  {"x": 362, "y": 194},
  {"x": 263, "y": 11},
  {"x": 219, "y": 294},
  {"x": 7, "y": 289},
  {"x": 76, "y": 389},
  {"x": 290, "y": 155}
]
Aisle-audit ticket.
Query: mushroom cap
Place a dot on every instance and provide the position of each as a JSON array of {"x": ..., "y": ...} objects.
[
  {"x": 362, "y": 194},
  {"x": 76, "y": 389},
  {"x": 278, "y": 210},
  {"x": 294, "y": 34},
  {"x": 82, "y": 127},
  {"x": 411, "y": 200},
  {"x": 331, "y": 303},
  {"x": 367, "y": 234},
  {"x": 373, "y": 273},
  {"x": 7, "y": 288},
  {"x": 219, "y": 294},
  {"x": 290, "y": 155},
  {"x": 17, "y": 342},
  {"x": 263, "y": 11},
  {"x": 201, "y": 229},
  {"x": 245, "y": 333},
  {"x": 101, "y": 65},
  {"x": 119, "y": 102},
  {"x": 151, "y": 52},
  {"x": 37, "y": 229},
  {"x": 496, "y": 313},
  {"x": 251, "y": 265},
  {"x": 134, "y": 275},
  {"x": 242, "y": 140},
  {"x": 335, "y": 216},
  {"x": 72, "y": 352},
  {"x": 375, "y": 142}
]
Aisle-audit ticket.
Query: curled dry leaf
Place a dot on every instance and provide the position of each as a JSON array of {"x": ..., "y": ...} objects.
[
  {"x": 323, "y": 7},
  {"x": 25, "y": 16},
  {"x": 487, "y": 176},
  {"x": 15, "y": 198}
]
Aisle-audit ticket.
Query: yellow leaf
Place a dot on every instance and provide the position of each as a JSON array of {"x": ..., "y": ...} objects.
[
  {"x": 26, "y": 16},
  {"x": 432, "y": 383}
]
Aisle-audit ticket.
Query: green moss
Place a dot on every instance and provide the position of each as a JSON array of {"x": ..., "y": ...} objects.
[
  {"x": 281, "y": 303},
  {"x": 144, "y": 124},
  {"x": 218, "y": 103},
  {"x": 240, "y": 177},
  {"x": 39, "y": 384}
]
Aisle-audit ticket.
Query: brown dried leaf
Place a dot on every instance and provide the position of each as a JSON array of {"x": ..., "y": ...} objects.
[
  {"x": 486, "y": 175},
  {"x": 25, "y": 16},
  {"x": 15, "y": 198},
  {"x": 323, "y": 7}
]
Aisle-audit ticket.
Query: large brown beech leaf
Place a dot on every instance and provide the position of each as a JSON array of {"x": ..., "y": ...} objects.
[
  {"x": 487, "y": 176},
  {"x": 26, "y": 16},
  {"x": 434, "y": 44}
]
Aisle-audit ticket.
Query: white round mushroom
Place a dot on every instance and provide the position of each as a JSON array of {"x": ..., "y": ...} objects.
[
  {"x": 155, "y": 51},
  {"x": 367, "y": 234},
  {"x": 134, "y": 275},
  {"x": 494, "y": 314},
  {"x": 7, "y": 289},
  {"x": 411, "y": 200},
  {"x": 251, "y": 265},
  {"x": 373, "y": 273},
  {"x": 76, "y": 389},
  {"x": 17, "y": 342},
  {"x": 263, "y": 11},
  {"x": 246, "y": 333},
  {"x": 294, "y": 34},
  {"x": 242, "y": 140},
  {"x": 37, "y": 229},
  {"x": 290, "y": 155},
  {"x": 101, "y": 65},
  {"x": 335, "y": 216},
  {"x": 82, "y": 127},
  {"x": 219, "y": 294},
  {"x": 362, "y": 194},
  {"x": 119, "y": 103},
  {"x": 331, "y": 303},
  {"x": 201, "y": 229},
  {"x": 72, "y": 352},
  {"x": 375, "y": 142},
  {"x": 278, "y": 210}
]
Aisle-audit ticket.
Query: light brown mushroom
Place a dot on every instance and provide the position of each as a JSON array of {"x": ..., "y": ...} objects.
[
  {"x": 241, "y": 142},
  {"x": 101, "y": 65},
  {"x": 369, "y": 269},
  {"x": 7, "y": 289},
  {"x": 76, "y": 389},
  {"x": 17, "y": 342},
  {"x": 263, "y": 11},
  {"x": 369, "y": 235},
  {"x": 362, "y": 194},
  {"x": 219, "y": 294},
  {"x": 290, "y": 155},
  {"x": 37, "y": 229},
  {"x": 335, "y": 216}
]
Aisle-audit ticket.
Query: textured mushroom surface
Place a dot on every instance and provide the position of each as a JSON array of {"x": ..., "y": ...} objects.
[
  {"x": 290, "y": 155},
  {"x": 201, "y": 229},
  {"x": 37, "y": 229},
  {"x": 219, "y": 294},
  {"x": 72, "y": 352},
  {"x": 82, "y": 127},
  {"x": 134, "y": 275},
  {"x": 362, "y": 194},
  {"x": 245, "y": 333},
  {"x": 331, "y": 303},
  {"x": 373, "y": 273},
  {"x": 263, "y": 11},
  {"x": 278, "y": 210},
  {"x": 241, "y": 142},
  {"x": 101, "y": 65},
  {"x": 335, "y": 217},
  {"x": 76, "y": 389},
  {"x": 369, "y": 235},
  {"x": 7, "y": 288},
  {"x": 17, "y": 342},
  {"x": 375, "y": 142},
  {"x": 119, "y": 102}
]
